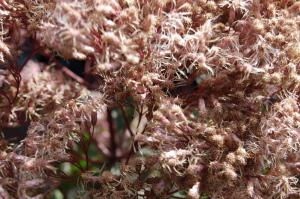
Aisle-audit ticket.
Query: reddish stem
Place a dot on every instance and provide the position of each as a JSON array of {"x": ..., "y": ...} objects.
[{"x": 112, "y": 134}]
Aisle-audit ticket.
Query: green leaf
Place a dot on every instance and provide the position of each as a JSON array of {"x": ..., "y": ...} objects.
[{"x": 57, "y": 194}]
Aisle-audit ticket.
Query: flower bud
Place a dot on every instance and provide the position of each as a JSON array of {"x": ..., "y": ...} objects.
[{"x": 194, "y": 191}]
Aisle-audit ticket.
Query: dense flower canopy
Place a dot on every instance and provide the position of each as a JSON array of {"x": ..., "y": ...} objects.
[{"x": 176, "y": 98}]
